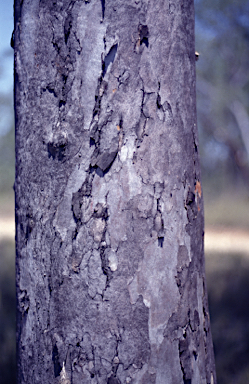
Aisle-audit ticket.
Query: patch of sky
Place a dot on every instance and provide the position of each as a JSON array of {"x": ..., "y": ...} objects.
[{"x": 6, "y": 65}]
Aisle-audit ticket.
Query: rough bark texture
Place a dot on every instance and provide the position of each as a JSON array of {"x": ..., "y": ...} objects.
[{"x": 109, "y": 211}]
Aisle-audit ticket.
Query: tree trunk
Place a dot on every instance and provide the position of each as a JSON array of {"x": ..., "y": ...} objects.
[{"x": 109, "y": 209}]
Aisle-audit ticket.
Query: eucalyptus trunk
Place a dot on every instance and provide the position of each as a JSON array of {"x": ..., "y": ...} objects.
[{"x": 109, "y": 209}]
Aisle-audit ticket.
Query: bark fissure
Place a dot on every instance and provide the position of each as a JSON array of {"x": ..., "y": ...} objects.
[
  {"x": 109, "y": 59},
  {"x": 103, "y": 9}
]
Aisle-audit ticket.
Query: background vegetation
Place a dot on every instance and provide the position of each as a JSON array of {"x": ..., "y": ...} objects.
[{"x": 222, "y": 40}]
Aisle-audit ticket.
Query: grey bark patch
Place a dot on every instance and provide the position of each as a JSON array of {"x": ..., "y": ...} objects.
[
  {"x": 148, "y": 378},
  {"x": 182, "y": 256},
  {"x": 149, "y": 104}
]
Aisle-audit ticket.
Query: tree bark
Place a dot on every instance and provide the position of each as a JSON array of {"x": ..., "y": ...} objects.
[{"x": 109, "y": 209}]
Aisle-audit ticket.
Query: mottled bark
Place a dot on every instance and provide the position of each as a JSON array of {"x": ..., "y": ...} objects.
[{"x": 109, "y": 210}]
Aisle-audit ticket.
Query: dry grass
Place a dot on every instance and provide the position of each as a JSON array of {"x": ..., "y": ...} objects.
[{"x": 227, "y": 240}]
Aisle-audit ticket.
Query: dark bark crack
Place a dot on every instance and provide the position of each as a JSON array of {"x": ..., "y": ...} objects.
[
  {"x": 103, "y": 9},
  {"x": 24, "y": 302},
  {"x": 191, "y": 205},
  {"x": 123, "y": 78},
  {"x": 103, "y": 157},
  {"x": 140, "y": 128},
  {"x": 112, "y": 379},
  {"x": 55, "y": 359},
  {"x": 159, "y": 225},
  {"x": 185, "y": 359},
  {"x": 68, "y": 26},
  {"x": 164, "y": 110},
  {"x": 65, "y": 59},
  {"x": 143, "y": 31},
  {"x": 57, "y": 150},
  {"x": 30, "y": 224},
  {"x": 142, "y": 38},
  {"x": 109, "y": 59},
  {"x": 103, "y": 161},
  {"x": 77, "y": 199},
  {"x": 101, "y": 212}
]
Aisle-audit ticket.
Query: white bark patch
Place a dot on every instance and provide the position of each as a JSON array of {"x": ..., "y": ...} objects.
[
  {"x": 146, "y": 303},
  {"x": 127, "y": 150},
  {"x": 90, "y": 34},
  {"x": 134, "y": 181},
  {"x": 98, "y": 229},
  {"x": 64, "y": 378},
  {"x": 113, "y": 261}
]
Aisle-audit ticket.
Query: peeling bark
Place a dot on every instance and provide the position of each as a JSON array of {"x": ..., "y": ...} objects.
[{"x": 109, "y": 211}]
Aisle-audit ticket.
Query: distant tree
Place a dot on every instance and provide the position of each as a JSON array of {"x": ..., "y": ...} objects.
[
  {"x": 109, "y": 209},
  {"x": 223, "y": 86},
  {"x": 7, "y": 153}
]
